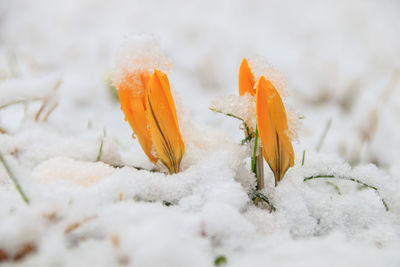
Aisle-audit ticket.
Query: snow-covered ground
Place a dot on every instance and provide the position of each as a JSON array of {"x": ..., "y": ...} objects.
[{"x": 341, "y": 60}]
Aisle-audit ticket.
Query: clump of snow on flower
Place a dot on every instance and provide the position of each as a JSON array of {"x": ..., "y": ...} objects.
[
  {"x": 261, "y": 67},
  {"x": 243, "y": 107},
  {"x": 139, "y": 54}
]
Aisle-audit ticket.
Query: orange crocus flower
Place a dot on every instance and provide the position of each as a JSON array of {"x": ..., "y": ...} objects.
[
  {"x": 271, "y": 121},
  {"x": 273, "y": 128},
  {"x": 148, "y": 106}
]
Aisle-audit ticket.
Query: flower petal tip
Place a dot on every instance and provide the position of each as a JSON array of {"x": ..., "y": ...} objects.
[{"x": 246, "y": 79}]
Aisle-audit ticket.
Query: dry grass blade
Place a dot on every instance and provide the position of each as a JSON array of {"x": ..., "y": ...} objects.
[{"x": 72, "y": 227}]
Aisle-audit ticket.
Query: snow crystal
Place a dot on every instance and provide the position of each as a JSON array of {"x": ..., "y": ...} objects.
[
  {"x": 243, "y": 107},
  {"x": 139, "y": 54},
  {"x": 261, "y": 67}
]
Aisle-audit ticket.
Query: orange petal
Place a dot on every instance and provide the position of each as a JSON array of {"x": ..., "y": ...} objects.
[
  {"x": 272, "y": 128},
  {"x": 246, "y": 79},
  {"x": 163, "y": 123},
  {"x": 246, "y": 85},
  {"x": 132, "y": 96}
]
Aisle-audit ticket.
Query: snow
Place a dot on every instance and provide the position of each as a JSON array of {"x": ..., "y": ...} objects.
[
  {"x": 80, "y": 172},
  {"x": 19, "y": 90},
  {"x": 261, "y": 67},
  {"x": 338, "y": 59},
  {"x": 139, "y": 53},
  {"x": 243, "y": 107}
]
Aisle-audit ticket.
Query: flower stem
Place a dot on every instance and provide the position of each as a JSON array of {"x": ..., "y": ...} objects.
[
  {"x": 253, "y": 158},
  {"x": 14, "y": 180},
  {"x": 260, "y": 168},
  {"x": 327, "y": 176}
]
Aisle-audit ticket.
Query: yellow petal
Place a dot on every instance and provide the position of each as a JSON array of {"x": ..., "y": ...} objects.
[
  {"x": 132, "y": 96},
  {"x": 272, "y": 128},
  {"x": 246, "y": 79},
  {"x": 163, "y": 123}
]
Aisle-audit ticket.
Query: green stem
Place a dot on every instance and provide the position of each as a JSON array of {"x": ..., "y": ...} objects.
[
  {"x": 101, "y": 146},
  {"x": 304, "y": 157},
  {"x": 100, "y": 151},
  {"x": 327, "y": 176},
  {"x": 249, "y": 135},
  {"x": 14, "y": 180}
]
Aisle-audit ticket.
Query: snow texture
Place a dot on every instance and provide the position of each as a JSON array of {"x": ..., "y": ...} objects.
[
  {"x": 261, "y": 67},
  {"x": 339, "y": 58},
  {"x": 28, "y": 89},
  {"x": 139, "y": 54},
  {"x": 242, "y": 107}
]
